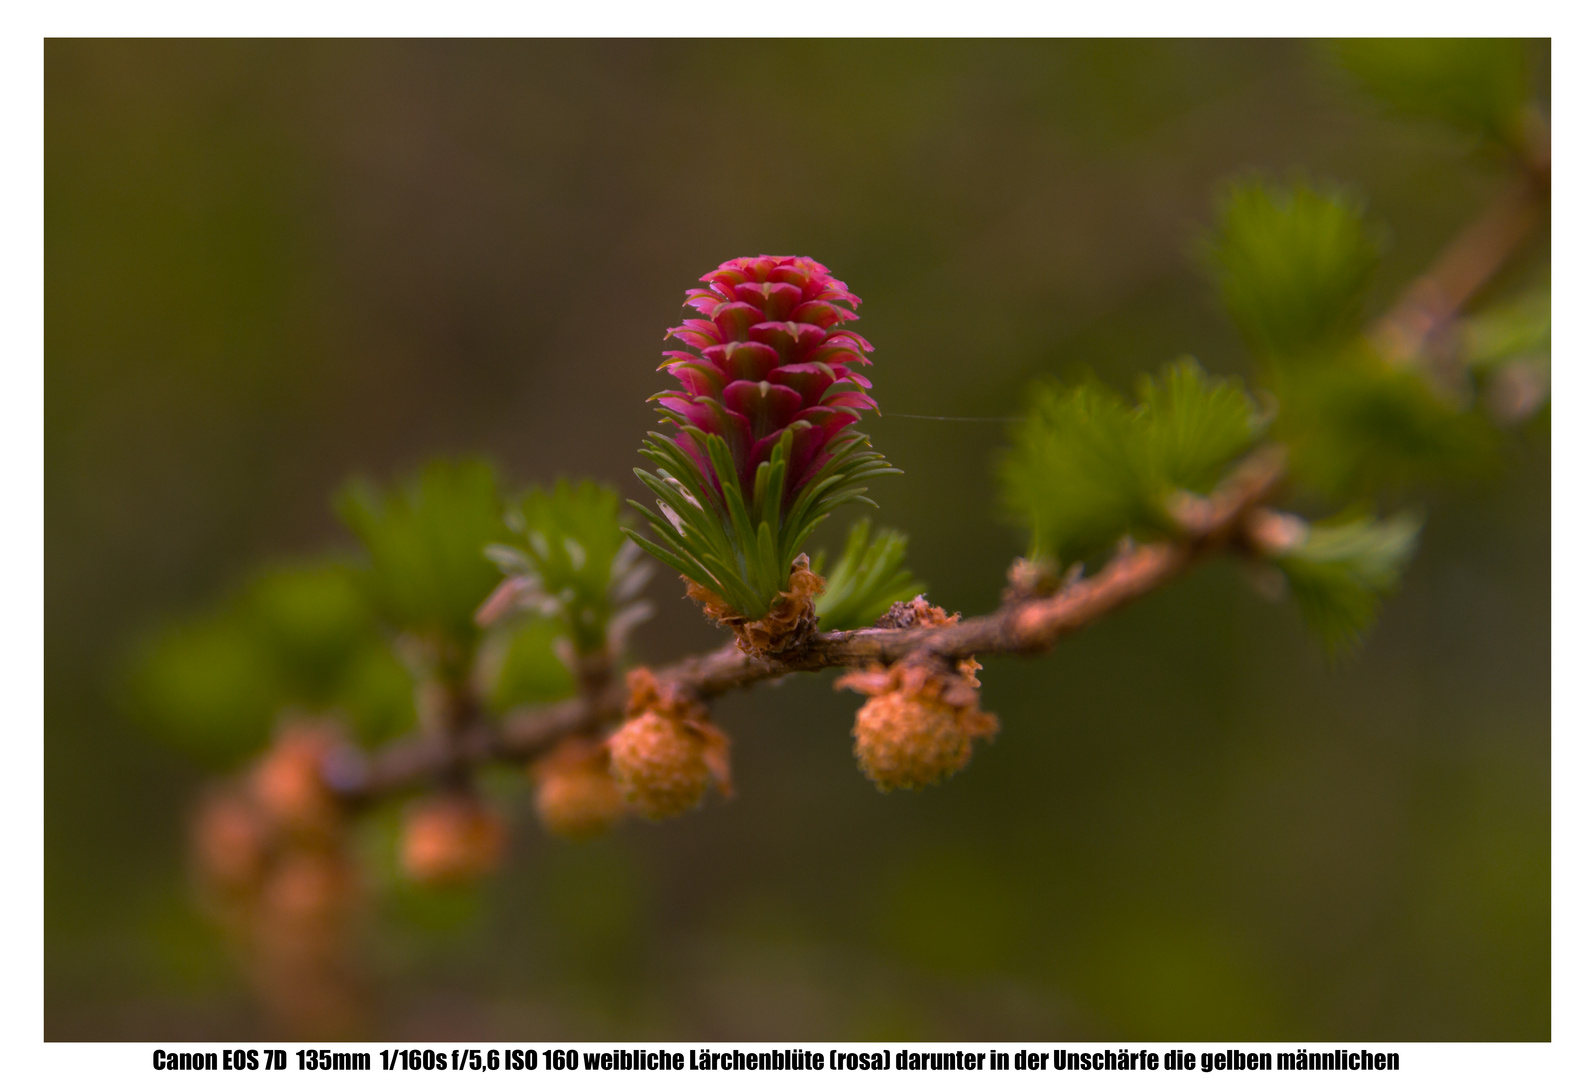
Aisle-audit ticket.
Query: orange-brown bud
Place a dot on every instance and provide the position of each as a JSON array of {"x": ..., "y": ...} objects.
[
  {"x": 451, "y": 840},
  {"x": 287, "y": 782},
  {"x": 786, "y": 627},
  {"x": 576, "y": 796},
  {"x": 308, "y": 888},
  {"x": 299, "y": 943},
  {"x": 665, "y": 756},
  {"x": 657, "y": 761},
  {"x": 920, "y": 721},
  {"x": 231, "y": 842},
  {"x": 1273, "y": 533}
]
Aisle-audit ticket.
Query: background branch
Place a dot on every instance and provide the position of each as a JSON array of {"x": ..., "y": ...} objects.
[{"x": 1476, "y": 255}]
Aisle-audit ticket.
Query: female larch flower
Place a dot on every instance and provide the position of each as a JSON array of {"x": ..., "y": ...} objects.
[
  {"x": 772, "y": 354},
  {"x": 763, "y": 452}
]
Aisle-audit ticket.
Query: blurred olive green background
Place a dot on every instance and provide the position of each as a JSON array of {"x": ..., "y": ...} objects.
[{"x": 270, "y": 264}]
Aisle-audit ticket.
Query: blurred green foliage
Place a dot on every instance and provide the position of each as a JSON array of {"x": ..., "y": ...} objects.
[
  {"x": 318, "y": 638},
  {"x": 425, "y": 540},
  {"x": 295, "y": 638},
  {"x": 1293, "y": 265},
  {"x": 570, "y": 560},
  {"x": 1087, "y": 467},
  {"x": 1515, "y": 329},
  {"x": 207, "y": 686},
  {"x": 1341, "y": 571},
  {"x": 1480, "y": 85},
  {"x": 1360, "y": 427},
  {"x": 529, "y": 669}
]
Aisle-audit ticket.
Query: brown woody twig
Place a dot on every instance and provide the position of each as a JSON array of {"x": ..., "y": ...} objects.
[{"x": 1479, "y": 252}]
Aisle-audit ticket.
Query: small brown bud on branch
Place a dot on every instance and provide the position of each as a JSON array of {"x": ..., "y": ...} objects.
[
  {"x": 576, "y": 797},
  {"x": 920, "y": 721},
  {"x": 287, "y": 783},
  {"x": 451, "y": 839}
]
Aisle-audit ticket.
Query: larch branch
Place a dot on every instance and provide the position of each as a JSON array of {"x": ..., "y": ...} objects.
[
  {"x": 1021, "y": 626},
  {"x": 1432, "y": 302}
]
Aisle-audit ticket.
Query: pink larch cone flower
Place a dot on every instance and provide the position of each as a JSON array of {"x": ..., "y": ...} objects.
[
  {"x": 771, "y": 354},
  {"x": 762, "y": 452}
]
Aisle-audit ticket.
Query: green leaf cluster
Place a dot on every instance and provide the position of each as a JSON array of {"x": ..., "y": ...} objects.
[
  {"x": 1517, "y": 329},
  {"x": 1478, "y": 85},
  {"x": 1359, "y": 426},
  {"x": 529, "y": 671},
  {"x": 869, "y": 578},
  {"x": 1087, "y": 467},
  {"x": 425, "y": 571},
  {"x": 572, "y": 557},
  {"x": 1293, "y": 265},
  {"x": 742, "y": 548},
  {"x": 300, "y": 637},
  {"x": 1340, "y": 572}
]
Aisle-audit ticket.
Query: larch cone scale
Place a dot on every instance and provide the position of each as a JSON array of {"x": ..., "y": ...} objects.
[{"x": 771, "y": 354}]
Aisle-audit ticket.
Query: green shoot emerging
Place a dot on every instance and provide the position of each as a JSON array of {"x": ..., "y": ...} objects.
[
  {"x": 869, "y": 578},
  {"x": 1340, "y": 573},
  {"x": 572, "y": 563},
  {"x": 427, "y": 572}
]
